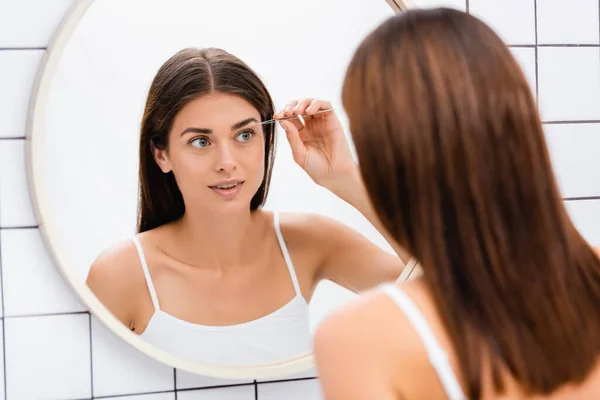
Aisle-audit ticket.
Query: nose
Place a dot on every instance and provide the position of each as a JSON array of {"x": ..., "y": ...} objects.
[{"x": 225, "y": 161}]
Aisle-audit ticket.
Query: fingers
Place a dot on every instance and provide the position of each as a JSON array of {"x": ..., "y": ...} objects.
[
  {"x": 287, "y": 111},
  {"x": 318, "y": 105},
  {"x": 306, "y": 107},
  {"x": 302, "y": 106}
]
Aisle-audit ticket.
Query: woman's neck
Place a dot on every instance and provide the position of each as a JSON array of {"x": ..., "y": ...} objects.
[{"x": 221, "y": 240}]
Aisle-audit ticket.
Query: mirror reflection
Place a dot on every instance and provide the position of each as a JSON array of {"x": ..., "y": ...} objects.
[{"x": 202, "y": 225}]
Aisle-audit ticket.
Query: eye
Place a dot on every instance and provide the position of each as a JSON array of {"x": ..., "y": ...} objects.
[
  {"x": 245, "y": 136},
  {"x": 200, "y": 142}
]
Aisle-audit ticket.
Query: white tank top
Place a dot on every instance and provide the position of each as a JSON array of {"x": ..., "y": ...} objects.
[
  {"x": 437, "y": 356},
  {"x": 281, "y": 335}
]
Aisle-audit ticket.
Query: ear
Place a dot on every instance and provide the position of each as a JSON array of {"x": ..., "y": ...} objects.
[{"x": 161, "y": 157}]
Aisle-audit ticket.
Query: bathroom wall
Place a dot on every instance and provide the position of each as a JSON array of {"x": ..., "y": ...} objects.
[{"x": 51, "y": 348}]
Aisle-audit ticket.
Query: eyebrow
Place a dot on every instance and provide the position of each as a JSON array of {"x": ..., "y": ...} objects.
[{"x": 209, "y": 131}]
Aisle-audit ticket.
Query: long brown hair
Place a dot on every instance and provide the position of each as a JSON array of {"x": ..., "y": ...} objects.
[
  {"x": 189, "y": 74},
  {"x": 452, "y": 152}
]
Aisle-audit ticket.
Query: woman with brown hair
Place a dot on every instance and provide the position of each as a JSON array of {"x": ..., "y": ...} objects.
[
  {"x": 210, "y": 276},
  {"x": 452, "y": 153}
]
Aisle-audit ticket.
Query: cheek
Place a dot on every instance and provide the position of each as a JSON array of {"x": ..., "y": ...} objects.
[
  {"x": 188, "y": 167},
  {"x": 259, "y": 158}
]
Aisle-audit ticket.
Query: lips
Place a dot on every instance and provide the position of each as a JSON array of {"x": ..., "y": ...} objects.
[{"x": 227, "y": 189}]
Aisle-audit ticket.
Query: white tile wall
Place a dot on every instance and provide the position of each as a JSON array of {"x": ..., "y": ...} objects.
[
  {"x": 568, "y": 22},
  {"x": 526, "y": 58},
  {"x": 586, "y": 215},
  {"x": 19, "y": 68},
  {"x": 15, "y": 204},
  {"x": 513, "y": 20},
  {"x": 35, "y": 286},
  {"x": 120, "y": 369},
  {"x": 186, "y": 380},
  {"x": 575, "y": 150},
  {"x": 569, "y": 83},
  {"x": 48, "y": 357},
  {"x": 247, "y": 392},
  {"x": 154, "y": 396},
  {"x": 458, "y": 4},
  {"x": 30, "y": 23},
  {"x": 66, "y": 354},
  {"x": 294, "y": 390}
]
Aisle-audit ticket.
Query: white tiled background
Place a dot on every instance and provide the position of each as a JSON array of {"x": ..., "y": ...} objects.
[{"x": 50, "y": 347}]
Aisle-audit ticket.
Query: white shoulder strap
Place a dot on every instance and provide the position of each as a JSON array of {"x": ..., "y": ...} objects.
[
  {"x": 286, "y": 254},
  {"x": 437, "y": 356},
  {"x": 151, "y": 289}
]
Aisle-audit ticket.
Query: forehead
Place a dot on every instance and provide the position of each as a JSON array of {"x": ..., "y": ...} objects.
[{"x": 215, "y": 111}]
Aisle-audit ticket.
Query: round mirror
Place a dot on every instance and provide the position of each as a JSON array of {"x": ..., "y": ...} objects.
[{"x": 84, "y": 162}]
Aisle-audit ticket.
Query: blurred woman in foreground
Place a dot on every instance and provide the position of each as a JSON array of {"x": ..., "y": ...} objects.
[{"x": 452, "y": 153}]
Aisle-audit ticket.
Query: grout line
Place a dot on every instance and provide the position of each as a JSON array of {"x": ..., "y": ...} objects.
[
  {"x": 13, "y": 138},
  {"x": 215, "y": 387},
  {"x": 557, "y": 45},
  {"x": 3, "y": 321},
  {"x": 569, "y": 44},
  {"x": 112, "y": 396},
  {"x": 588, "y": 198},
  {"x": 589, "y": 121},
  {"x": 175, "y": 382},
  {"x": 91, "y": 357},
  {"x": 18, "y": 227},
  {"x": 288, "y": 380},
  {"x": 21, "y": 48},
  {"x": 536, "y": 51},
  {"x": 43, "y": 315},
  {"x": 254, "y": 383},
  {"x": 255, "y": 390}
]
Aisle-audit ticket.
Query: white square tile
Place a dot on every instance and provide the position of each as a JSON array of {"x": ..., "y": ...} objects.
[
  {"x": 121, "y": 369},
  {"x": 1, "y": 363},
  {"x": 574, "y": 150},
  {"x": 187, "y": 380},
  {"x": 292, "y": 390},
  {"x": 154, "y": 396},
  {"x": 562, "y": 22},
  {"x": 458, "y": 4},
  {"x": 48, "y": 357},
  {"x": 18, "y": 70},
  {"x": 513, "y": 20},
  {"x": 585, "y": 214},
  {"x": 30, "y": 23},
  {"x": 525, "y": 56},
  {"x": 32, "y": 284},
  {"x": 569, "y": 83},
  {"x": 15, "y": 203},
  {"x": 227, "y": 393}
]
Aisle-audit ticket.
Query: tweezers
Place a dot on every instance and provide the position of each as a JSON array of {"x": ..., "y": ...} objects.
[{"x": 294, "y": 116}]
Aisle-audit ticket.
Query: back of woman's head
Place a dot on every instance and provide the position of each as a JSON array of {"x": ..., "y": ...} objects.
[
  {"x": 452, "y": 151},
  {"x": 187, "y": 75}
]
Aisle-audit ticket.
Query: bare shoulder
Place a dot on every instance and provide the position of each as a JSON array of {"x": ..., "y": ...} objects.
[
  {"x": 356, "y": 352},
  {"x": 308, "y": 224},
  {"x": 318, "y": 230},
  {"x": 372, "y": 335},
  {"x": 117, "y": 279},
  {"x": 371, "y": 319},
  {"x": 115, "y": 265}
]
